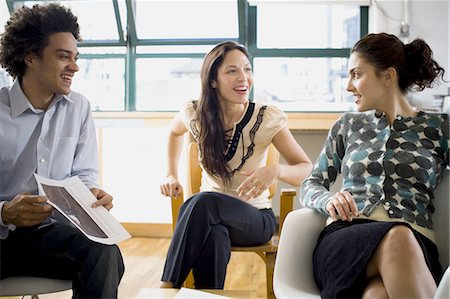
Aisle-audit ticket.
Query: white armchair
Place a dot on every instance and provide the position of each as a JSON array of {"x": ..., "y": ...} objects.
[
  {"x": 26, "y": 285},
  {"x": 293, "y": 276}
]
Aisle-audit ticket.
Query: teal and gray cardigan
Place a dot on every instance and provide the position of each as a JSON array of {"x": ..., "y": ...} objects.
[{"x": 395, "y": 166}]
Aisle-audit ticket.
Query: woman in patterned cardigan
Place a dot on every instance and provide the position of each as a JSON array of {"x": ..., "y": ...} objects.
[{"x": 379, "y": 241}]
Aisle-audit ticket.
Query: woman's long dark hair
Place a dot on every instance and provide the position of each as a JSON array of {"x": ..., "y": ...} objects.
[
  {"x": 211, "y": 138},
  {"x": 413, "y": 62}
]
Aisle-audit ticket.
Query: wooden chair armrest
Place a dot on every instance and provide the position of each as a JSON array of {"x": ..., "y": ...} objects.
[
  {"x": 287, "y": 196},
  {"x": 176, "y": 203}
]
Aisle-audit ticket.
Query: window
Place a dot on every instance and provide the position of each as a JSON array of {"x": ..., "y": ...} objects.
[
  {"x": 146, "y": 55},
  {"x": 162, "y": 82},
  {"x": 291, "y": 26},
  {"x": 5, "y": 79},
  {"x": 4, "y": 15},
  {"x": 108, "y": 91},
  {"x": 301, "y": 61},
  {"x": 172, "y": 39},
  {"x": 299, "y": 84},
  {"x": 97, "y": 18},
  {"x": 186, "y": 19}
]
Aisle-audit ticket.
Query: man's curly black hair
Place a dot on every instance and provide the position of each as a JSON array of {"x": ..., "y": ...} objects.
[{"x": 28, "y": 30}]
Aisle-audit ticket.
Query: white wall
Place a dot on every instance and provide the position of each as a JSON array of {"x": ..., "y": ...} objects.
[
  {"x": 428, "y": 20},
  {"x": 133, "y": 166}
]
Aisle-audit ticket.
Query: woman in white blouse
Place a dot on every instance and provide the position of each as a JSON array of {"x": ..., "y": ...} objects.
[{"x": 233, "y": 135}]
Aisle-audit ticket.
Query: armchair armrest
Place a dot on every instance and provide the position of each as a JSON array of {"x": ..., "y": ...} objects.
[
  {"x": 443, "y": 291},
  {"x": 293, "y": 276}
]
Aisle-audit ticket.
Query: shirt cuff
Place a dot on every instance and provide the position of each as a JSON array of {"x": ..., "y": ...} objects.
[
  {"x": 1, "y": 208},
  {"x": 9, "y": 226}
]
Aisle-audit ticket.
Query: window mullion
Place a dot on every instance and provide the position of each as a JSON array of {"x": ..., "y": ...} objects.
[
  {"x": 118, "y": 21},
  {"x": 364, "y": 20},
  {"x": 243, "y": 21},
  {"x": 130, "y": 63}
]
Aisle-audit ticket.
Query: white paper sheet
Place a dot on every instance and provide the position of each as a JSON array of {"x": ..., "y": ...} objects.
[
  {"x": 74, "y": 200},
  {"x": 186, "y": 293}
]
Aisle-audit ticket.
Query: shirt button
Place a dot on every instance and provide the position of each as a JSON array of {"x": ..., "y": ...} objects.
[{"x": 42, "y": 160}]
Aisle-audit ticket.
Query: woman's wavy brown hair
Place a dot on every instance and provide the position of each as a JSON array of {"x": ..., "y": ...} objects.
[{"x": 211, "y": 138}]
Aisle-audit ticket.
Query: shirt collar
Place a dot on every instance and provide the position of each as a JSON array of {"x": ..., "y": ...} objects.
[{"x": 20, "y": 103}]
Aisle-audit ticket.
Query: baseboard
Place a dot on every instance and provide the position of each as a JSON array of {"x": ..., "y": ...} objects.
[{"x": 149, "y": 230}]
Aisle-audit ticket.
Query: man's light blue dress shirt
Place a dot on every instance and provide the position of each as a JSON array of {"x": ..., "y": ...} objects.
[{"x": 57, "y": 143}]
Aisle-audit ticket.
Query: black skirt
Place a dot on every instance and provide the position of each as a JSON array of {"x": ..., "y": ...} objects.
[{"x": 340, "y": 262}]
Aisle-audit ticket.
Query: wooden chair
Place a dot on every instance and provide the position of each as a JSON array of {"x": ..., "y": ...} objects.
[{"x": 267, "y": 251}]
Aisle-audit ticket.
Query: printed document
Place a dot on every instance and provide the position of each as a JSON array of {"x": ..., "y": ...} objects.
[{"x": 74, "y": 200}]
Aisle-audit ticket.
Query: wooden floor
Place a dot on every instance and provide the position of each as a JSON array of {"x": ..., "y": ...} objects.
[{"x": 144, "y": 260}]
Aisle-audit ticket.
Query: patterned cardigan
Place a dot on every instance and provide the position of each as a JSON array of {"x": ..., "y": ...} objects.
[{"x": 395, "y": 166}]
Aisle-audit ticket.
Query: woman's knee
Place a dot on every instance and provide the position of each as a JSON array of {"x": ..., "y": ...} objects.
[
  {"x": 400, "y": 238},
  {"x": 398, "y": 244},
  {"x": 201, "y": 202}
]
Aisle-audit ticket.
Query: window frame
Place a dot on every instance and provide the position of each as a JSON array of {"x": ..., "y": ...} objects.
[{"x": 247, "y": 35}]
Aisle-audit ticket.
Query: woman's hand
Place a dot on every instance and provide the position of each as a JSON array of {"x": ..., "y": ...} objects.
[
  {"x": 342, "y": 205},
  {"x": 171, "y": 187},
  {"x": 257, "y": 181}
]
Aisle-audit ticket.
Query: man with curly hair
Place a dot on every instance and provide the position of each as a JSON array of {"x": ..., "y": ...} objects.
[{"x": 48, "y": 129}]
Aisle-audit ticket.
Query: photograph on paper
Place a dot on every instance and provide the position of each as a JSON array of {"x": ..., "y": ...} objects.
[{"x": 74, "y": 200}]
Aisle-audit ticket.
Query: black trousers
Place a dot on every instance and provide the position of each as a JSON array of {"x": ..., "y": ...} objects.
[
  {"x": 62, "y": 251},
  {"x": 208, "y": 224}
]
